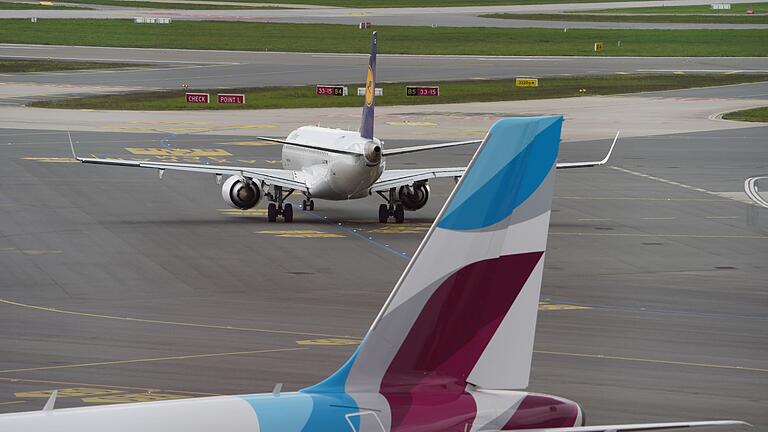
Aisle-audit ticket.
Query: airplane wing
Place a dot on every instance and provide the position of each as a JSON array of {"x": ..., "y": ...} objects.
[
  {"x": 402, "y": 177},
  {"x": 641, "y": 426},
  {"x": 404, "y": 150},
  {"x": 279, "y": 177},
  {"x": 397, "y": 178}
]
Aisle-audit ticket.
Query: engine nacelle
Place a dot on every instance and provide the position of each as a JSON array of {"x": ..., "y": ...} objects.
[
  {"x": 414, "y": 197},
  {"x": 240, "y": 194}
]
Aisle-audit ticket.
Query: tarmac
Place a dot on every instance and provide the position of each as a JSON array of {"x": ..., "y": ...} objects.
[
  {"x": 167, "y": 68},
  {"x": 117, "y": 286}
]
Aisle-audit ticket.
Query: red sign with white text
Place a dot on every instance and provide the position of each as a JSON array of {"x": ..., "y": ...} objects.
[
  {"x": 227, "y": 98},
  {"x": 330, "y": 90},
  {"x": 198, "y": 97}
]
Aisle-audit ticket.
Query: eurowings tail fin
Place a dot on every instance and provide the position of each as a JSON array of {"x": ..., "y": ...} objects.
[
  {"x": 366, "y": 124},
  {"x": 464, "y": 311}
]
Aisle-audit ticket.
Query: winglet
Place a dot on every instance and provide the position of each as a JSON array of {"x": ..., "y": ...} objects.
[
  {"x": 72, "y": 147},
  {"x": 610, "y": 150},
  {"x": 51, "y": 401},
  {"x": 565, "y": 165}
]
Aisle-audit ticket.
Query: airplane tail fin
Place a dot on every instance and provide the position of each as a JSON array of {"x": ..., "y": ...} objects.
[
  {"x": 464, "y": 310},
  {"x": 366, "y": 124}
]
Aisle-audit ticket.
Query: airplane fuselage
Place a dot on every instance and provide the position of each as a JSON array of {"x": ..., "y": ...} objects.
[
  {"x": 311, "y": 412},
  {"x": 332, "y": 176}
]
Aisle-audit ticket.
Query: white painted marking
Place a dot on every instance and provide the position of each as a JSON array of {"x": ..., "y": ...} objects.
[
  {"x": 119, "y": 60},
  {"x": 735, "y": 196},
  {"x": 750, "y": 187}
]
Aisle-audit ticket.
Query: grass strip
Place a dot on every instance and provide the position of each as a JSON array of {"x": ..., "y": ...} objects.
[
  {"x": 14, "y": 66},
  {"x": 394, "y": 93},
  {"x": 423, "y": 3},
  {"x": 33, "y": 6},
  {"x": 249, "y": 36},
  {"x": 164, "y": 5},
  {"x": 736, "y": 8},
  {"x": 698, "y": 19},
  {"x": 750, "y": 115}
]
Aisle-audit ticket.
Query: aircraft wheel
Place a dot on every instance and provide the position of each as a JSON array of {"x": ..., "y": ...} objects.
[
  {"x": 383, "y": 213},
  {"x": 311, "y": 205},
  {"x": 399, "y": 213},
  {"x": 304, "y": 205},
  {"x": 288, "y": 213},
  {"x": 272, "y": 212}
]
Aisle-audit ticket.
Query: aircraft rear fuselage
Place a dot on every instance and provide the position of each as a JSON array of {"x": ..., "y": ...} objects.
[{"x": 328, "y": 175}]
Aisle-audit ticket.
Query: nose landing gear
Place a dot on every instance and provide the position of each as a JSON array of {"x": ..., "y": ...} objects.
[{"x": 308, "y": 204}]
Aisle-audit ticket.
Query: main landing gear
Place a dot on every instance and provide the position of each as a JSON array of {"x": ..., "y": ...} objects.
[
  {"x": 392, "y": 208},
  {"x": 308, "y": 204},
  {"x": 277, "y": 207}
]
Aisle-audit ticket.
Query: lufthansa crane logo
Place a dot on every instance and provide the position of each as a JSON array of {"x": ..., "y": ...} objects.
[{"x": 369, "y": 88}]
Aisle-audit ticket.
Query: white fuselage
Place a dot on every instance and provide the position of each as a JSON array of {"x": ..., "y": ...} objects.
[{"x": 332, "y": 176}]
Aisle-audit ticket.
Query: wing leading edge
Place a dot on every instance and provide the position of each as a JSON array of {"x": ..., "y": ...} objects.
[
  {"x": 279, "y": 177},
  {"x": 397, "y": 178}
]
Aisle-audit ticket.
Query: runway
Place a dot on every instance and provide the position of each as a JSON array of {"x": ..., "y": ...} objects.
[
  {"x": 114, "y": 282},
  {"x": 220, "y": 69},
  {"x": 466, "y": 16}
]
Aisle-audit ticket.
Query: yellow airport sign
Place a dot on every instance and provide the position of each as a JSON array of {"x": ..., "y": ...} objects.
[
  {"x": 526, "y": 82},
  {"x": 46, "y": 3},
  {"x": 599, "y": 46}
]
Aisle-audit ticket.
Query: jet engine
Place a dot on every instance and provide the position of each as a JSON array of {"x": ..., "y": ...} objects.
[
  {"x": 372, "y": 153},
  {"x": 240, "y": 194},
  {"x": 414, "y": 197}
]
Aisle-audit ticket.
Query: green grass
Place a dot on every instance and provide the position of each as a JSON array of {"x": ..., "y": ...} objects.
[
  {"x": 422, "y": 3},
  {"x": 14, "y": 66},
  {"x": 160, "y": 5},
  {"x": 708, "y": 19},
  {"x": 736, "y": 8},
  {"x": 392, "y": 39},
  {"x": 750, "y": 115},
  {"x": 33, "y": 6},
  {"x": 394, "y": 94}
]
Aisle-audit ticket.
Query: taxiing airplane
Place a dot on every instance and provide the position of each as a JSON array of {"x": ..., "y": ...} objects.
[
  {"x": 329, "y": 164},
  {"x": 451, "y": 349}
]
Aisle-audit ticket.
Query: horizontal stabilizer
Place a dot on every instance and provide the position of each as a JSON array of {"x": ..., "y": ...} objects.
[
  {"x": 312, "y": 147},
  {"x": 404, "y": 150}
]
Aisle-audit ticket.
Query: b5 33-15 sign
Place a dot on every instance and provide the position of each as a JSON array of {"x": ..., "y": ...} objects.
[
  {"x": 422, "y": 91},
  {"x": 330, "y": 90}
]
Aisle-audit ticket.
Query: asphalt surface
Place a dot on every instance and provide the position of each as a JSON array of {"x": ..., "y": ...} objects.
[
  {"x": 419, "y": 16},
  {"x": 220, "y": 69},
  {"x": 115, "y": 281}
]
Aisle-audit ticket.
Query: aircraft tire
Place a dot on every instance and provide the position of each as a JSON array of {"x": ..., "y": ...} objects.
[
  {"x": 272, "y": 212},
  {"x": 399, "y": 213},
  {"x": 383, "y": 213},
  {"x": 288, "y": 213},
  {"x": 311, "y": 205}
]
